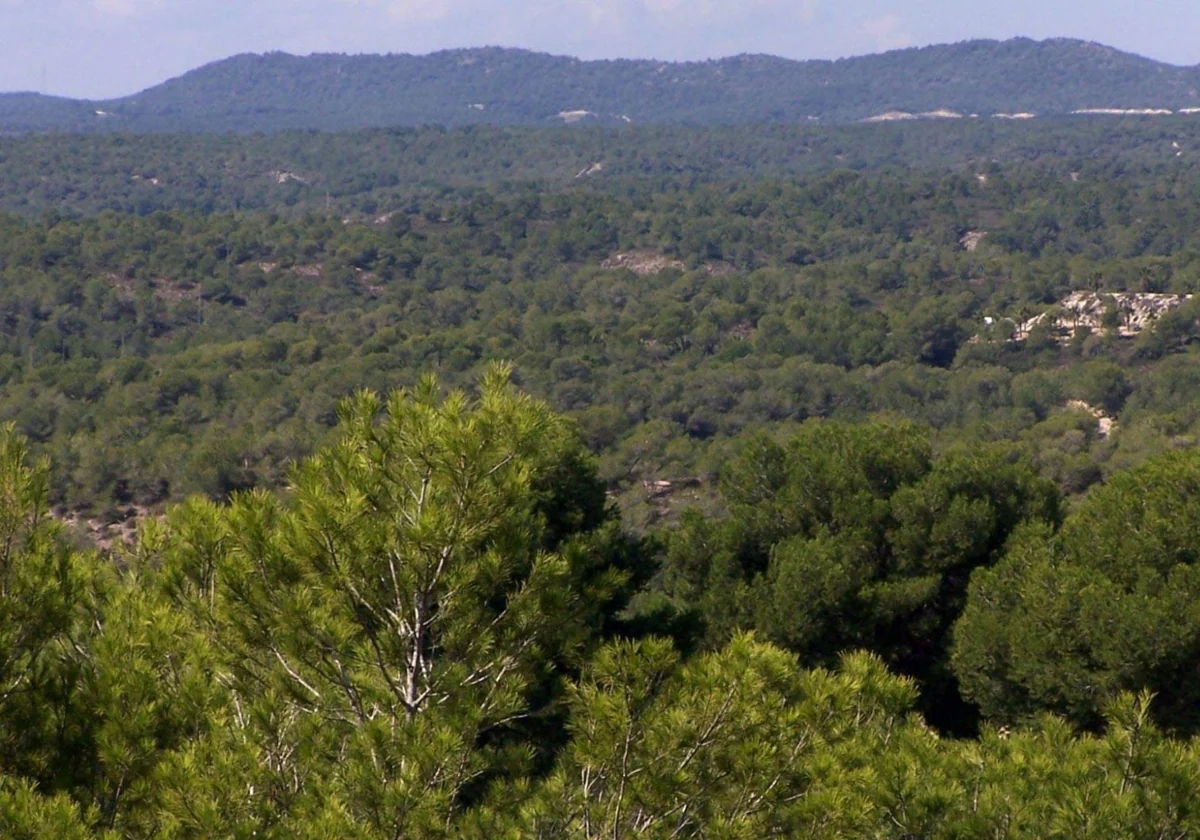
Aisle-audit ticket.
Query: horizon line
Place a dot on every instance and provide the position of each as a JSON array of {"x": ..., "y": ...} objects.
[{"x": 635, "y": 59}]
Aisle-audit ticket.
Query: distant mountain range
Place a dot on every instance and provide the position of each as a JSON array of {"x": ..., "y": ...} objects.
[{"x": 249, "y": 93}]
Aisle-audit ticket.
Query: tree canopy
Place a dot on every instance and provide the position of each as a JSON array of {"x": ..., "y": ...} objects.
[
  {"x": 410, "y": 641},
  {"x": 1067, "y": 620}
]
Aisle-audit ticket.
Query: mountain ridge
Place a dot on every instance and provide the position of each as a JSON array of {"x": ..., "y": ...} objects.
[{"x": 507, "y": 86}]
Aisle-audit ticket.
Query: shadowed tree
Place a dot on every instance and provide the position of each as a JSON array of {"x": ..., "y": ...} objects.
[{"x": 1067, "y": 620}]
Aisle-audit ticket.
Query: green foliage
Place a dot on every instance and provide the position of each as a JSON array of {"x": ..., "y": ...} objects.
[
  {"x": 155, "y": 357},
  {"x": 431, "y": 622},
  {"x": 410, "y": 641},
  {"x": 26, "y": 815},
  {"x": 722, "y": 746},
  {"x": 1068, "y": 620},
  {"x": 43, "y": 585},
  {"x": 853, "y": 537},
  {"x": 414, "y": 602}
]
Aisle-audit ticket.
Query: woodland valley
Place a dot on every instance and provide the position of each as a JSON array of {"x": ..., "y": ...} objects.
[{"x": 730, "y": 477}]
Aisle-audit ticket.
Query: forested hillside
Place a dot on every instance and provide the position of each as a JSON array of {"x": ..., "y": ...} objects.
[
  {"x": 178, "y": 352},
  {"x": 495, "y": 86},
  {"x": 363, "y": 174},
  {"x": 637, "y": 482}
]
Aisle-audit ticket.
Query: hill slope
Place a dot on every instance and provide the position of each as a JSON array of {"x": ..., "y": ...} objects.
[{"x": 513, "y": 87}]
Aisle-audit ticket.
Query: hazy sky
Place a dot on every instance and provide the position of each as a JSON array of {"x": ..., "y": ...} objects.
[{"x": 101, "y": 48}]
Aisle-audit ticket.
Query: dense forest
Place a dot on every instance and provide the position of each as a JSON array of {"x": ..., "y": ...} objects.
[
  {"x": 362, "y": 175},
  {"x": 494, "y": 86},
  {"x": 156, "y": 356},
  {"x": 605, "y": 483}
]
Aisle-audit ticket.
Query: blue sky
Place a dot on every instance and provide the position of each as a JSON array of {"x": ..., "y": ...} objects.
[{"x": 100, "y": 48}]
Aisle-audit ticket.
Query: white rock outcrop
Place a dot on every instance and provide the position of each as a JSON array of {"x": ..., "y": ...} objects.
[
  {"x": 1135, "y": 311},
  {"x": 1124, "y": 112},
  {"x": 1105, "y": 425}
]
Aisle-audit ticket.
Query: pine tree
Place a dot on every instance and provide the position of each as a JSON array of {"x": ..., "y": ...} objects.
[{"x": 404, "y": 613}]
